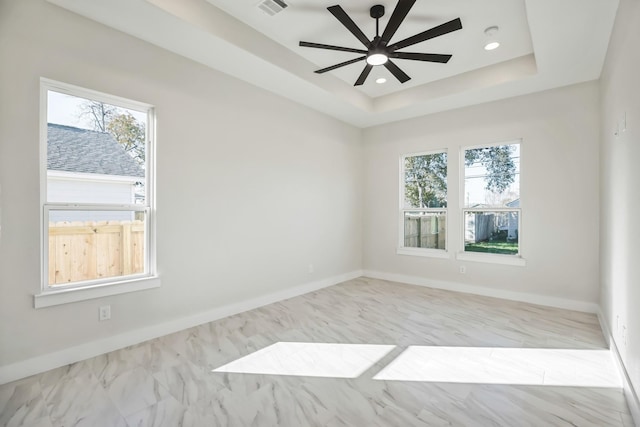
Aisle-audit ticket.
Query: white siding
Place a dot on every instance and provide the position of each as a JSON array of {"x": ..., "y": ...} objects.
[{"x": 80, "y": 191}]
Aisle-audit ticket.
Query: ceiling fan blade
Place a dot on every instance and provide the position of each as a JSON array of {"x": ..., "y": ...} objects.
[
  {"x": 429, "y": 57},
  {"x": 342, "y": 64},
  {"x": 331, "y": 47},
  {"x": 397, "y": 72},
  {"x": 440, "y": 30},
  {"x": 364, "y": 75},
  {"x": 345, "y": 20},
  {"x": 399, "y": 13}
]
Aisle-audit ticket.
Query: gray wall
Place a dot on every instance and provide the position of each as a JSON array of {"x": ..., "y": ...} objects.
[
  {"x": 252, "y": 188},
  {"x": 620, "y": 208},
  {"x": 558, "y": 186}
]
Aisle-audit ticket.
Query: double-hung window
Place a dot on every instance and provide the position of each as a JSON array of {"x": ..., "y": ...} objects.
[
  {"x": 423, "y": 204},
  {"x": 491, "y": 212},
  {"x": 97, "y": 188}
]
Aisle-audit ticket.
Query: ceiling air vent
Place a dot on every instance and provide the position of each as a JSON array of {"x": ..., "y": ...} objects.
[{"x": 271, "y": 7}]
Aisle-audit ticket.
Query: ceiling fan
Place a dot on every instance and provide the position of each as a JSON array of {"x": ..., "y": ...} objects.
[{"x": 378, "y": 51}]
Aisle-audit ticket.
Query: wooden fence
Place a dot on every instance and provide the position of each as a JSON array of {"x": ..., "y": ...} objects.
[
  {"x": 425, "y": 231},
  {"x": 93, "y": 250}
]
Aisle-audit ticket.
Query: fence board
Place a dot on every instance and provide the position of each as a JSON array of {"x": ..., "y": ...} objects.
[
  {"x": 425, "y": 231},
  {"x": 80, "y": 251}
]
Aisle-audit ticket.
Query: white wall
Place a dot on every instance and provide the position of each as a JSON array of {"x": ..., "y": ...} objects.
[
  {"x": 252, "y": 188},
  {"x": 620, "y": 208},
  {"x": 559, "y": 189}
]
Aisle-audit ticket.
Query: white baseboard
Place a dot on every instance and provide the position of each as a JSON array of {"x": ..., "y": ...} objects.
[
  {"x": 629, "y": 391},
  {"x": 567, "y": 304},
  {"x": 36, "y": 365}
]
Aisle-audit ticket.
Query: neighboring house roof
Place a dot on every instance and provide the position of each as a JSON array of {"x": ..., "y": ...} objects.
[
  {"x": 73, "y": 149},
  {"x": 514, "y": 204}
]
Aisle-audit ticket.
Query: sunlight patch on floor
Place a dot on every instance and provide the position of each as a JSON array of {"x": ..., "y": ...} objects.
[
  {"x": 471, "y": 365},
  {"x": 310, "y": 359},
  {"x": 517, "y": 366}
]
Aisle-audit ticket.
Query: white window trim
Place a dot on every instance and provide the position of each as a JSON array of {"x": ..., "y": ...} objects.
[
  {"x": 423, "y": 252},
  {"x": 492, "y": 258},
  {"x": 518, "y": 259},
  {"x": 95, "y": 177},
  {"x": 80, "y": 291},
  {"x": 65, "y": 296}
]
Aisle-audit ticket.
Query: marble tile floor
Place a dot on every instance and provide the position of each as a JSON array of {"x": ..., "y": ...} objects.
[{"x": 363, "y": 353}]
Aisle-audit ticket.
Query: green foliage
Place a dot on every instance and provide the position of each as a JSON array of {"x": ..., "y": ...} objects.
[
  {"x": 506, "y": 248},
  {"x": 498, "y": 162},
  {"x": 130, "y": 134},
  {"x": 125, "y": 129},
  {"x": 425, "y": 180}
]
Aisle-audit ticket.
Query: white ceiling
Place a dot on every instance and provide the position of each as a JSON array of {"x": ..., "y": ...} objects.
[
  {"x": 544, "y": 44},
  {"x": 309, "y": 20}
]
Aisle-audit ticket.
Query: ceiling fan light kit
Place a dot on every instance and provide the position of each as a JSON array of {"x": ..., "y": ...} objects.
[
  {"x": 377, "y": 58},
  {"x": 378, "y": 50}
]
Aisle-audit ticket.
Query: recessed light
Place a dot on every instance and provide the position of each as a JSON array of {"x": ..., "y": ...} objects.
[
  {"x": 491, "y": 46},
  {"x": 381, "y": 80},
  {"x": 491, "y": 38}
]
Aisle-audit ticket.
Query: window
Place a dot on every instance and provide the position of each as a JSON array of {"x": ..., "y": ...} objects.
[
  {"x": 96, "y": 192},
  {"x": 423, "y": 204},
  {"x": 491, "y": 206}
]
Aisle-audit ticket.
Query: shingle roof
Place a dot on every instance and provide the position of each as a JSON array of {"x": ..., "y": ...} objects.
[{"x": 79, "y": 150}]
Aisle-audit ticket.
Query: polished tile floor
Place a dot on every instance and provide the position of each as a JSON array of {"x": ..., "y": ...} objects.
[{"x": 363, "y": 353}]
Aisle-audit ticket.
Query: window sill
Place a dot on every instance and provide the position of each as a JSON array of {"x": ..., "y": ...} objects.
[
  {"x": 429, "y": 253},
  {"x": 492, "y": 258},
  {"x": 65, "y": 296}
]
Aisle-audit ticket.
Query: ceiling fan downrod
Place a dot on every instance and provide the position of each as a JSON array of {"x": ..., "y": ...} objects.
[{"x": 377, "y": 12}]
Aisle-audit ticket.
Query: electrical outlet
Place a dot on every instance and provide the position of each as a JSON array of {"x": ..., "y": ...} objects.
[
  {"x": 463, "y": 269},
  {"x": 311, "y": 269},
  {"x": 104, "y": 312}
]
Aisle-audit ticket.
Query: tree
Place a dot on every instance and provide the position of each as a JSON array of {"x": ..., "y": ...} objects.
[
  {"x": 426, "y": 180},
  {"x": 129, "y": 133},
  {"x": 98, "y": 114},
  {"x": 498, "y": 163},
  {"x": 426, "y": 175},
  {"x": 124, "y": 128}
]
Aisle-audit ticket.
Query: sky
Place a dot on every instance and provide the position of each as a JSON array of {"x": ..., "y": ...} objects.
[{"x": 65, "y": 109}]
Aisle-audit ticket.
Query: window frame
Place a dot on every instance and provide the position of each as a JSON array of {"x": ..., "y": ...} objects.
[
  {"x": 462, "y": 254},
  {"x": 425, "y": 252},
  {"x": 96, "y": 288}
]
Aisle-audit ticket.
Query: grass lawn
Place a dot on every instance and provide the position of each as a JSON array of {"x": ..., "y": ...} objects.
[{"x": 493, "y": 247}]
